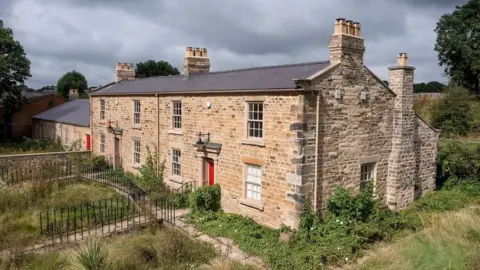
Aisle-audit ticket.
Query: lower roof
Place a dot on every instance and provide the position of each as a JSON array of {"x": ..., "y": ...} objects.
[
  {"x": 260, "y": 78},
  {"x": 75, "y": 112}
]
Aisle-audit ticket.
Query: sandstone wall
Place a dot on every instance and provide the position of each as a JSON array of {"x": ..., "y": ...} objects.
[
  {"x": 352, "y": 131},
  {"x": 425, "y": 157},
  {"x": 26, "y": 159},
  {"x": 72, "y": 137},
  {"x": 226, "y": 122}
]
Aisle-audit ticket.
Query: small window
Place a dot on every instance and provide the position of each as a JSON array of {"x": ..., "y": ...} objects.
[
  {"x": 136, "y": 152},
  {"x": 177, "y": 115},
  {"x": 102, "y": 109},
  {"x": 253, "y": 182},
  {"x": 102, "y": 143},
  {"x": 255, "y": 120},
  {"x": 176, "y": 162},
  {"x": 66, "y": 136},
  {"x": 136, "y": 111},
  {"x": 366, "y": 174}
]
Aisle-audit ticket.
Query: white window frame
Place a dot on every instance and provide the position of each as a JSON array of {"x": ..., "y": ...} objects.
[
  {"x": 176, "y": 162},
  {"x": 255, "y": 123},
  {"x": 102, "y": 143},
  {"x": 177, "y": 114},
  {"x": 102, "y": 109},
  {"x": 253, "y": 182},
  {"x": 136, "y": 112},
  {"x": 137, "y": 149},
  {"x": 367, "y": 173}
]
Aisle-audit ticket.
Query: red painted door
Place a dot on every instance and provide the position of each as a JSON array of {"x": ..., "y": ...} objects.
[
  {"x": 88, "y": 143},
  {"x": 211, "y": 172}
]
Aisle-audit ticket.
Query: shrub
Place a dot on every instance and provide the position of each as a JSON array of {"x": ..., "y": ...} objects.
[
  {"x": 205, "y": 199},
  {"x": 92, "y": 257},
  {"x": 99, "y": 162},
  {"x": 452, "y": 113},
  {"x": 457, "y": 162}
]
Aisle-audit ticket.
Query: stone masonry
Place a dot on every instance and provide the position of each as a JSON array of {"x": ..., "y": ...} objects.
[{"x": 317, "y": 135}]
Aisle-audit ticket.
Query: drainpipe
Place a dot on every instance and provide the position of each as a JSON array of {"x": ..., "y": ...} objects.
[
  {"x": 158, "y": 135},
  {"x": 317, "y": 120}
]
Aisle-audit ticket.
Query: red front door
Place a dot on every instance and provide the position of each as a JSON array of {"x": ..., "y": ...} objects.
[
  {"x": 211, "y": 172},
  {"x": 88, "y": 143}
]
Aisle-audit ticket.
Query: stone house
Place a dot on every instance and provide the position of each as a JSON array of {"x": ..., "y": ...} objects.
[
  {"x": 271, "y": 135},
  {"x": 69, "y": 123}
]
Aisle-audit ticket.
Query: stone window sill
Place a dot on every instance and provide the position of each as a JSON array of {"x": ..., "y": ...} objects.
[
  {"x": 252, "y": 203},
  {"x": 255, "y": 142},
  {"x": 175, "y": 131},
  {"x": 176, "y": 179},
  {"x": 136, "y": 126},
  {"x": 102, "y": 122},
  {"x": 137, "y": 166}
]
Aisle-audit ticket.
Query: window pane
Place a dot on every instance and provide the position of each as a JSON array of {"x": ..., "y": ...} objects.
[
  {"x": 255, "y": 120},
  {"x": 253, "y": 182}
]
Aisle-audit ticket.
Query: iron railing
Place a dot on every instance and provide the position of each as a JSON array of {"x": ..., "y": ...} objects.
[{"x": 103, "y": 217}]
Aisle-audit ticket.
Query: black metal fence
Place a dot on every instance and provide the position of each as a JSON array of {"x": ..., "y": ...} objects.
[{"x": 104, "y": 217}]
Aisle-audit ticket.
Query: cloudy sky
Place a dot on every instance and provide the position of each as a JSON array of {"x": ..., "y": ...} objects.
[{"x": 90, "y": 36}]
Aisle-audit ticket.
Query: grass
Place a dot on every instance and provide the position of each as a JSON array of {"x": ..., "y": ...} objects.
[
  {"x": 19, "y": 205},
  {"x": 451, "y": 241},
  {"x": 162, "y": 249},
  {"x": 335, "y": 244}
]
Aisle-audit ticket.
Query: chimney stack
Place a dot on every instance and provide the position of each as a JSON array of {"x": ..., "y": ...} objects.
[
  {"x": 401, "y": 178},
  {"x": 124, "y": 71},
  {"x": 196, "y": 61},
  {"x": 346, "y": 42},
  {"x": 73, "y": 94}
]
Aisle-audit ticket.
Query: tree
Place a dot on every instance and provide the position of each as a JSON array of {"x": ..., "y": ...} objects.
[
  {"x": 458, "y": 45},
  {"x": 431, "y": 87},
  {"x": 152, "y": 68},
  {"x": 452, "y": 114},
  {"x": 14, "y": 70},
  {"x": 71, "y": 80}
]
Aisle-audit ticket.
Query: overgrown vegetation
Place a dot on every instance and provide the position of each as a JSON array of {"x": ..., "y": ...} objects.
[
  {"x": 19, "y": 223},
  {"x": 452, "y": 114},
  {"x": 351, "y": 224},
  {"x": 165, "y": 249},
  {"x": 206, "y": 199},
  {"x": 26, "y": 145}
]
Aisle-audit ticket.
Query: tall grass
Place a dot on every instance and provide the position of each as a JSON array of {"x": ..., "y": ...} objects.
[{"x": 452, "y": 241}]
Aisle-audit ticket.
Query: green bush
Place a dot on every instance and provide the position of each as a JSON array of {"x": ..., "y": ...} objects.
[
  {"x": 99, "y": 163},
  {"x": 453, "y": 113},
  {"x": 457, "y": 162},
  {"x": 205, "y": 199}
]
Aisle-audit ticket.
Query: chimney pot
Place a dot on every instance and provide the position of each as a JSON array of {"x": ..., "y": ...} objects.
[
  {"x": 350, "y": 30},
  {"x": 204, "y": 52},
  {"x": 402, "y": 59},
  {"x": 196, "y": 51},
  {"x": 356, "y": 28},
  {"x": 189, "y": 52}
]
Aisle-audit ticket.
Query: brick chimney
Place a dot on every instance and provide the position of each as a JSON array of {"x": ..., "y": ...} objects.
[
  {"x": 73, "y": 94},
  {"x": 196, "y": 61},
  {"x": 401, "y": 164},
  {"x": 346, "y": 42},
  {"x": 124, "y": 71}
]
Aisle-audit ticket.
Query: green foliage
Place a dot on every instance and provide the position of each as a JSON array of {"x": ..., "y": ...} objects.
[
  {"x": 92, "y": 257},
  {"x": 151, "y": 180},
  {"x": 153, "y": 68},
  {"x": 431, "y": 87},
  {"x": 452, "y": 114},
  {"x": 27, "y": 145},
  {"x": 14, "y": 70},
  {"x": 457, "y": 162},
  {"x": 206, "y": 199},
  {"x": 458, "y": 40},
  {"x": 99, "y": 162},
  {"x": 71, "y": 80}
]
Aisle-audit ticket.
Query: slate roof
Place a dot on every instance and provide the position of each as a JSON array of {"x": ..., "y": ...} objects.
[
  {"x": 31, "y": 96},
  {"x": 271, "y": 77},
  {"x": 75, "y": 112}
]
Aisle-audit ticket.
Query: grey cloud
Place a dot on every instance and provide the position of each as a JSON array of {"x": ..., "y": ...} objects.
[
  {"x": 237, "y": 33},
  {"x": 434, "y": 3}
]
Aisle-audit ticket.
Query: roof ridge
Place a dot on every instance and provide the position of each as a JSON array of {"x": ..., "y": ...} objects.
[{"x": 235, "y": 70}]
